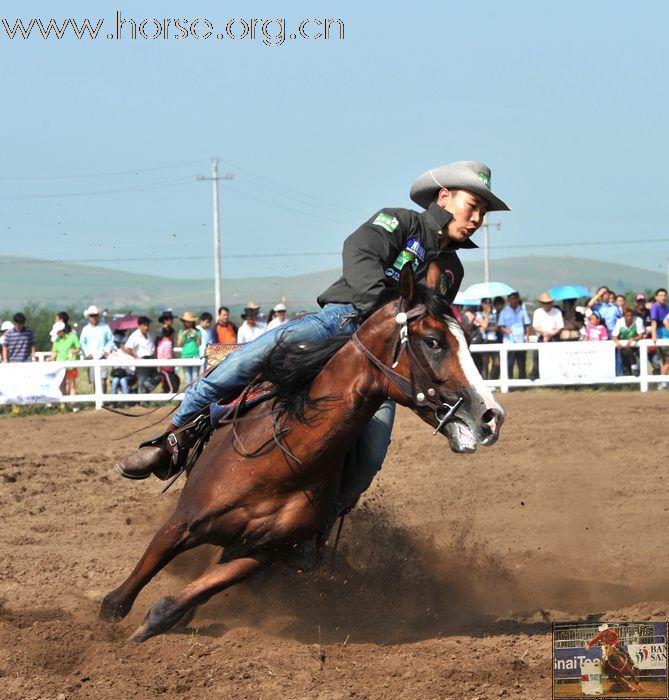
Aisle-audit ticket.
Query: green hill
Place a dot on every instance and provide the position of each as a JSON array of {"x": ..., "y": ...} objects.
[{"x": 69, "y": 285}]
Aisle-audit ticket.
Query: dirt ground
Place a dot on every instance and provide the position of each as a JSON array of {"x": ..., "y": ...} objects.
[{"x": 445, "y": 585}]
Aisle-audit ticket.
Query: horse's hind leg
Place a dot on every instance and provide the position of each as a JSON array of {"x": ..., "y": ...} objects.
[
  {"x": 170, "y": 540},
  {"x": 168, "y": 611}
]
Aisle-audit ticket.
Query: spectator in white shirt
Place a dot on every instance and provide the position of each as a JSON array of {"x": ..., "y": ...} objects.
[
  {"x": 140, "y": 345},
  {"x": 206, "y": 319},
  {"x": 251, "y": 328},
  {"x": 547, "y": 320},
  {"x": 279, "y": 317}
]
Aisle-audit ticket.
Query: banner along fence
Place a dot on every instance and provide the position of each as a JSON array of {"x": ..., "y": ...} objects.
[{"x": 560, "y": 364}]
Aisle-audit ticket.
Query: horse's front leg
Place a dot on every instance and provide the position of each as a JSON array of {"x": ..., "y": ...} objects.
[
  {"x": 170, "y": 540},
  {"x": 168, "y": 611},
  {"x": 635, "y": 678}
]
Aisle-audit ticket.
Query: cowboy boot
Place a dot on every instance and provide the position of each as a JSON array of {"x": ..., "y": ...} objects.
[
  {"x": 166, "y": 454},
  {"x": 152, "y": 456}
]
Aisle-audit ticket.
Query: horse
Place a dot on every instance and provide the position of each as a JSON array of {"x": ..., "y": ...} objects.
[
  {"x": 269, "y": 483},
  {"x": 618, "y": 665}
]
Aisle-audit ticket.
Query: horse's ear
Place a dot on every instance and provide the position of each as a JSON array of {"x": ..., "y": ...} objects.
[
  {"x": 433, "y": 276},
  {"x": 407, "y": 284}
]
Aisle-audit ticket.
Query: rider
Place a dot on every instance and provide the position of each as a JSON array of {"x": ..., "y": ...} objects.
[
  {"x": 456, "y": 197},
  {"x": 608, "y": 635}
]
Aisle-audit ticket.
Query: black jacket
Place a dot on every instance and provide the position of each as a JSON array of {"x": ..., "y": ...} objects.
[{"x": 372, "y": 256}]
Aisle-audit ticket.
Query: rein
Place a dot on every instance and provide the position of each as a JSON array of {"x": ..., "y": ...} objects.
[{"x": 419, "y": 388}]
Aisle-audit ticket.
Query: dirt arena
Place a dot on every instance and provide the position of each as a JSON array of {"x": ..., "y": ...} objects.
[{"x": 446, "y": 581}]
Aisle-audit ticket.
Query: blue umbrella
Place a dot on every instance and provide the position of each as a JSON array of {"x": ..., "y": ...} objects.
[
  {"x": 569, "y": 291},
  {"x": 487, "y": 289},
  {"x": 462, "y": 300}
]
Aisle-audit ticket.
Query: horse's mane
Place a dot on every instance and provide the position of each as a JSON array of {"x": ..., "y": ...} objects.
[{"x": 291, "y": 367}]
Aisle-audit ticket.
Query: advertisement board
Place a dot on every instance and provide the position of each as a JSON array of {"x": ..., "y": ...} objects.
[
  {"x": 577, "y": 362},
  {"x": 26, "y": 382}
]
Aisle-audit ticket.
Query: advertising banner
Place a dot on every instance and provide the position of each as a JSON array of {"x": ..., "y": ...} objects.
[
  {"x": 577, "y": 362},
  {"x": 28, "y": 382},
  {"x": 648, "y": 656},
  {"x": 567, "y": 662}
]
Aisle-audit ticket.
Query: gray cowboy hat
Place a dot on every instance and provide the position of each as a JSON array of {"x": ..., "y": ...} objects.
[{"x": 463, "y": 175}]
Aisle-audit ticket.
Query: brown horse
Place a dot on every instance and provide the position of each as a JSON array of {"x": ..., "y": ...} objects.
[
  {"x": 618, "y": 667},
  {"x": 271, "y": 482}
]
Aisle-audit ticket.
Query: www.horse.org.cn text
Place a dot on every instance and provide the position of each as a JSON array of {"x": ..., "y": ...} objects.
[{"x": 269, "y": 32}]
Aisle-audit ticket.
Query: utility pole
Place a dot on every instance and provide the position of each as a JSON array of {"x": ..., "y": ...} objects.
[
  {"x": 217, "y": 229},
  {"x": 486, "y": 248}
]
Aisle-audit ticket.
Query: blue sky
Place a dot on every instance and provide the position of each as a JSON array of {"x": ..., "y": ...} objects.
[{"x": 102, "y": 140}]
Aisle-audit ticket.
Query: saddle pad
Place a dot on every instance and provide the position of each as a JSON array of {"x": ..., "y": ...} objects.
[
  {"x": 262, "y": 392},
  {"x": 216, "y": 352}
]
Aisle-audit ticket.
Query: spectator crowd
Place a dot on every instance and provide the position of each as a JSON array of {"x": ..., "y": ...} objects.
[
  {"x": 605, "y": 316},
  {"x": 101, "y": 338}
]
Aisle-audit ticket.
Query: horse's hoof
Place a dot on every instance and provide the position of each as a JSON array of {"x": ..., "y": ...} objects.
[
  {"x": 158, "y": 620},
  {"x": 111, "y": 610},
  {"x": 185, "y": 619},
  {"x": 141, "y": 634}
]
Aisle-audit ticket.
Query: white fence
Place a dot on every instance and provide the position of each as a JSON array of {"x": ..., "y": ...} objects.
[
  {"x": 504, "y": 383},
  {"x": 99, "y": 397}
]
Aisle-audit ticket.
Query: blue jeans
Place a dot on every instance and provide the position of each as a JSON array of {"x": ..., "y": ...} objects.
[
  {"x": 235, "y": 372},
  {"x": 190, "y": 375},
  {"x": 232, "y": 375},
  {"x": 123, "y": 382}
]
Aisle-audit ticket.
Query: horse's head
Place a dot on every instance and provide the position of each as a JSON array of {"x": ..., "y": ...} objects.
[{"x": 432, "y": 370}]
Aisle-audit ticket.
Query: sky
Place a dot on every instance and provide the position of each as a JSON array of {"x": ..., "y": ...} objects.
[{"x": 103, "y": 139}]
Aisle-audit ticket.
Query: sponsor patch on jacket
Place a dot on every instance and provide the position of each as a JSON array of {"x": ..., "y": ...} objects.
[
  {"x": 413, "y": 252},
  {"x": 386, "y": 221}
]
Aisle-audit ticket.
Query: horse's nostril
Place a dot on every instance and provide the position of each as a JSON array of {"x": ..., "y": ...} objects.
[{"x": 488, "y": 416}]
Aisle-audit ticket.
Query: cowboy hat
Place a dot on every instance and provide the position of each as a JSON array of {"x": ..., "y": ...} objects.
[
  {"x": 463, "y": 175},
  {"x": 189, "y": 316},
  {"x": 545, "y": 298},
  {"x": 251, "y": 309},
  {"x": 280, "y": 307},
  {"x": 92, "y": 310},
  {"x": 602, "y": 628}
]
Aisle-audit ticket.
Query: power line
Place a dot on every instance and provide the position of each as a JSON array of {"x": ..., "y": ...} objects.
[
  {"x": 135, "y": 171},
  {"x": 320, "y": 217},
  {"x": 290, "y": 189},
  {"x": 134, "y": 188}
]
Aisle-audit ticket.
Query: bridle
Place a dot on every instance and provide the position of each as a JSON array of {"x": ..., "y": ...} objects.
[{"x": 419, "y": 387}]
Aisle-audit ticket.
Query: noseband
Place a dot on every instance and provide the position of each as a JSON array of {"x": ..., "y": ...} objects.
[{"x": 419, "y": 388}]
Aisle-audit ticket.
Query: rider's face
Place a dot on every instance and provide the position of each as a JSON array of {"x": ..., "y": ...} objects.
[{"x": 468, "y": 210}]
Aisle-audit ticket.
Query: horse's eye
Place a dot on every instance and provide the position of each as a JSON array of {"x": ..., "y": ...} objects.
[{"x": 432, "y": 343}]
